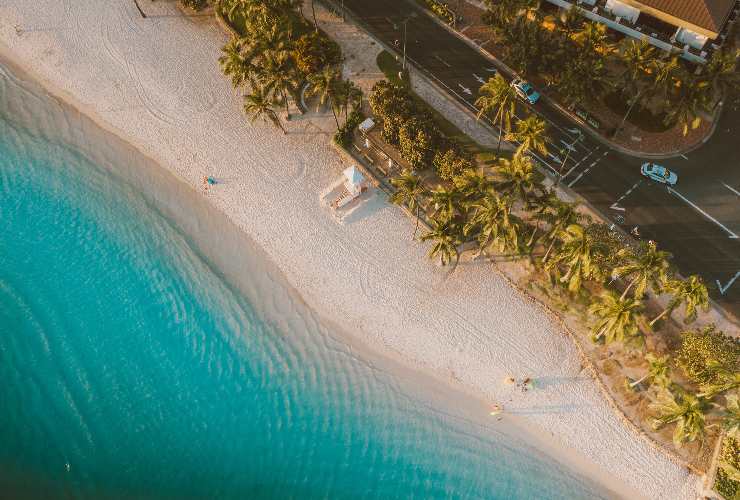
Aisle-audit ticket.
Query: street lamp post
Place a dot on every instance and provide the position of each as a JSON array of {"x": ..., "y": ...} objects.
[{"x": 403, "y": 66}]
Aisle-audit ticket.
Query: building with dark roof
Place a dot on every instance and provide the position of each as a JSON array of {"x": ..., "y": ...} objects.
[{"x": 693, "y": 27}]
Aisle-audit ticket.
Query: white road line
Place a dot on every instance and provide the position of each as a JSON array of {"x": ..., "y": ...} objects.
[
  {"x": 698, "y": 209},
  {"x": 723, "y": 289},
  {"x": 731, "y": 189},
  {"x": 579, "y": 162},
  {"x": 615, "y": 205},
  {"x": 443, "y": 61},
  {"x": 684, "y": 157},
  {"x": 577, "y": 178},
  {"x": 568, "y": 145}
]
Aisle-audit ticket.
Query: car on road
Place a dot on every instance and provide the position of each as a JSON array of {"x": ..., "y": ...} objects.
[
  {"x": 658, "y": 173},
  {"x": 525, "y": 90}
]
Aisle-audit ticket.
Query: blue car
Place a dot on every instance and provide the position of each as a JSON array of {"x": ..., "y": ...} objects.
[
  {"x": 658, "y": 174},
  {"x": 525, "y": 90}
]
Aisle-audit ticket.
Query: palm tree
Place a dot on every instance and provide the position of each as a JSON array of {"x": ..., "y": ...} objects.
[
  {"x": 685, "y": 410},
  {"x": 313, "y": 13},
  {"x": 648, "y": 267},
  {"x": 234, "y": 64},
  {"x": 658, "y": 371},
  {"x": 259, "y": 105},
  {"x": 616, "y": 318},
  {"x": 731, "y": 421},
  {"x": 593, "y": 37},
  {"x": 692, "y": 98},
  {"x": 446, "y": 202},
  {"x": 324, "y": 84},
  {"x": 445, "y": 236},
  {"x": 497, "y": 97},
  {"x": 721, "y": 72},
  {"x": 530, "y": 133},
  {"x": 637, "y": 58},
  {"x": 564, "y": 215},
  {"x": 493, "y": 223},
  {"x": 279, "y": 78},
  {"x": 692, "y": 292},
  {"x": 472, "y": 184},
  {"x": 665, "y": 75},
  {"x": 520, "y": 178},
  {"x": 576, "y": 254},
  {"x": 409, "y": 192},
  {"x": 723, "y": 378},
  {"x": 570, "y": 21}
]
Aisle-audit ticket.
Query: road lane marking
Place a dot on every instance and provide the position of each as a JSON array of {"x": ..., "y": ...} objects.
[
  {"x": 480, "y": 79},
  {"x": 443, "y": 61},
  {"x": 570, "y": 147},
  {"x": 698, "y": 209},
  {"x": 492, "y": 70},
  {"x": 723, "y": 289},
  {"x": 731, "y": 189},
  {"x": 579, "y": 162},
  {"x": 615, "y": 205},
  {"x": 465, "y": 89},
  {"x": 684, "y": 157}
]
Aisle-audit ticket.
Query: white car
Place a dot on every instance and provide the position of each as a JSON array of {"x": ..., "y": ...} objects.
[
  {"x": 658, "y": 174},
  {"x": 525, "y": 90}
]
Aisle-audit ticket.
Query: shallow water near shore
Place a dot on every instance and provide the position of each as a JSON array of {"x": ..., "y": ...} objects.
[{"x": 132, "y": 368}]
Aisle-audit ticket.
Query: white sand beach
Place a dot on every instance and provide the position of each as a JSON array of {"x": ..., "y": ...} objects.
[{"x": 156, "y": 83}]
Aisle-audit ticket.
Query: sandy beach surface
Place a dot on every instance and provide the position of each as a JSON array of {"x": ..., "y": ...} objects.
[{"x": 156, "y": 83}]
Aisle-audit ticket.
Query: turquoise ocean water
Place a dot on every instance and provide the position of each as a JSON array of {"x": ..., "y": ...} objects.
[{"x": 130, "y": 369}]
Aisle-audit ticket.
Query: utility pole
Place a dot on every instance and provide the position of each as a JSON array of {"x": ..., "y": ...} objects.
[{"x": 560, "y": 170}]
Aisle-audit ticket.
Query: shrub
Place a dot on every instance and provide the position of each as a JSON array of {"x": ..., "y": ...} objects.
[
  {"x": 195, "y": 4},
  {"x": 451, "y": 163},
  {"x": 416, "y": 141},
  {"x": 701, "y": 346},
  {"x": 440, "y": 10},
  {"x": 343, "y": 136},
  {"x": 314, "y": 50},
  {"x": 729, "y": 455}
]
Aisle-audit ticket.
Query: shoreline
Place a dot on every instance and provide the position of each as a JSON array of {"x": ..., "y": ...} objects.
[
  {"x": 151, "y": 180},
  {"x": 395, "y": 349}
]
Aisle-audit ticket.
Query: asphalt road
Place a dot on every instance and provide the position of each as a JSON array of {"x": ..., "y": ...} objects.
[{"x": 698, "y": 221}]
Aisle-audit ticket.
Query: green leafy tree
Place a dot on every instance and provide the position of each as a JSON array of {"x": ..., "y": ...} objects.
[
  {"x": 498, "y": 101},
  {"x": 616, "y": 318},
  {"x": 647, "y": 268},
  {"x": 313, "y": 51},
  {"x": 731, "y": 420},
  {"x": 686, "y": 410},
  {"x": 473, "y": 185},
  {"x": 234, "y": 64},
  {"x": 723, "y": 378},
  {"x": 280, "y": 79},
  {"x": 701, "y": 348},
  {"x": 410, "y": 192},
  {"x": 692, "y": 292},
  {"x": 637, "y": 58},
  {"x": 451, "y": 163},
  {"x": 417, "y": 139}
]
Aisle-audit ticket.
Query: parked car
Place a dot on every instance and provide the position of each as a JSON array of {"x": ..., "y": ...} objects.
[
  {"x": 658, "y": 174},
  {"x": 525, "y": 90}
]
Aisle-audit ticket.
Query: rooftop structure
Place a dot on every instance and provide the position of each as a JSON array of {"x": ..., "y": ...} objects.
[{"x": 693, "y": 27}]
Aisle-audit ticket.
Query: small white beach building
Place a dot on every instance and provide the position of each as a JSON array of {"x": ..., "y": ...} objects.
[{"x": 354, "y": 183}]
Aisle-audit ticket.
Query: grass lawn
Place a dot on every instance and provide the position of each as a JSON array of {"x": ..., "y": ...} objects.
[{"x": 391, "y": 67}]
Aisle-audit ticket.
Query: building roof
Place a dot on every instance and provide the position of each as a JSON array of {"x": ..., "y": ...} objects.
[
  {"x": 708, "y": 14},
  {"x": 353, "y": 175}
]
